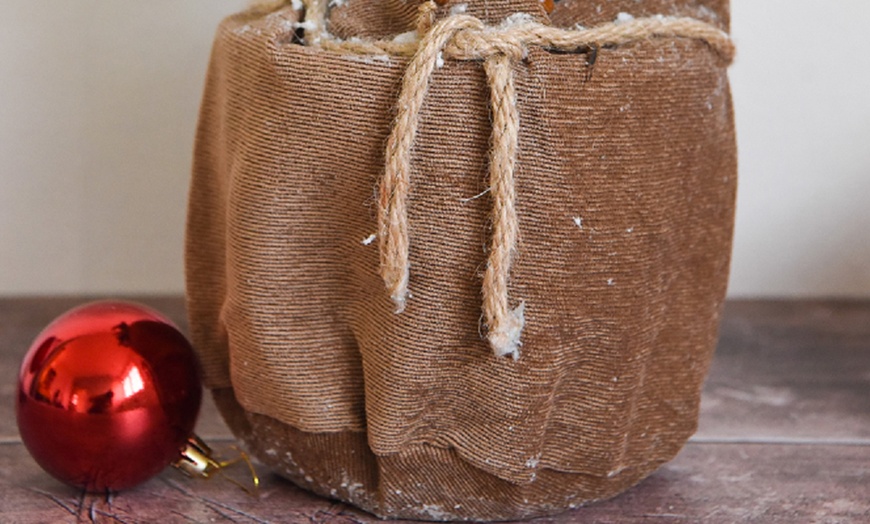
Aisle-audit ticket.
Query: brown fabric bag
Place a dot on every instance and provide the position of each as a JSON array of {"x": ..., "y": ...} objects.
[{"x": 624, "y": 185}]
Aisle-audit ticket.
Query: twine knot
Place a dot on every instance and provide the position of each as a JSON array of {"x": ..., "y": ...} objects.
[{"x": 463, "y": 37}]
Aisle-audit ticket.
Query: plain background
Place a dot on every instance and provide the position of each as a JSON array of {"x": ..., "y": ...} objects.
[{"x": 99, "y": 100}]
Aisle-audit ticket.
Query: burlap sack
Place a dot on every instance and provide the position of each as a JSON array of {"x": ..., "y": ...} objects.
[{"x": 618, "y": 191}]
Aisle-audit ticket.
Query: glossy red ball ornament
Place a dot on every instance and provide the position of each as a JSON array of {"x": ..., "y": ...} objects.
[{"x": 108, "y": 395}]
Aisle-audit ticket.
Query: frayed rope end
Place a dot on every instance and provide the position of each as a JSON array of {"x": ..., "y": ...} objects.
[
  {"x": 399, "y": 301},
  {"x": 401, "y": 294},
  {"x": 505, "y": 338}
]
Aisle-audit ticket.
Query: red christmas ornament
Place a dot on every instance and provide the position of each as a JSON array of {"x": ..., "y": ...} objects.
[{"x": 108, "y": 395}]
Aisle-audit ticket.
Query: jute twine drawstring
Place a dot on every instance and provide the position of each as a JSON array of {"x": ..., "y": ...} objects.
[{"x": 463, "y": 37}]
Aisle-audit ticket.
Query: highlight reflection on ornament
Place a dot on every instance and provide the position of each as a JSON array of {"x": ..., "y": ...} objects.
[{"x": 108, "y": 395}]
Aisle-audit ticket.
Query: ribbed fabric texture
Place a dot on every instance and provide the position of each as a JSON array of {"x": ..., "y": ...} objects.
[{"x": 625, "y": 180}]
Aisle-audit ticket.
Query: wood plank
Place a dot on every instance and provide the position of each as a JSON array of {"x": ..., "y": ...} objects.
[
  {"x": 790, "y": 371},
  {"x": 784, "y": 436},
  {"x": 708, "y": 483},
  {"x": 784, "y": 371}
]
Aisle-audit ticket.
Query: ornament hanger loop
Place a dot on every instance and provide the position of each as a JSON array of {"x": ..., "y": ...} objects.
[{"x": 197, "y": 461}]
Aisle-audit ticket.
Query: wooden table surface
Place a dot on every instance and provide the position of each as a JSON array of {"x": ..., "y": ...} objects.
[{"x": 784, "y": 436}]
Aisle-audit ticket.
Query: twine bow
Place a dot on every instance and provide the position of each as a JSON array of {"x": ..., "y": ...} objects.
[
  {"x": 454, "y": 37},
  {"x": 463, "y": 37}
]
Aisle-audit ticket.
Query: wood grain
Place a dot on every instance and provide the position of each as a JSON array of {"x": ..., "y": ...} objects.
[
  {"x": 705, "y": 483},
  {"x": 784, "y": 436},
  {"x": 790, "y": 372}
]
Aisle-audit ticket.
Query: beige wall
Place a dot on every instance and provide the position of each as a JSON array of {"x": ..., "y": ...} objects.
[
  {"x": 98, "y": 102},
  {"x": 802, "y": 94}
]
